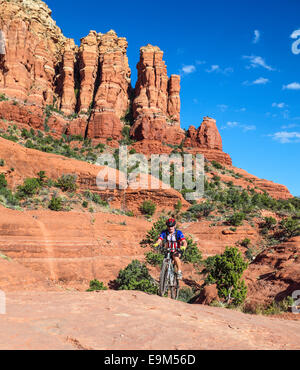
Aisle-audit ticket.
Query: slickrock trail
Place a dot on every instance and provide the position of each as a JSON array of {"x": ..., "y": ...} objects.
[{"x": 130, "y": 320}]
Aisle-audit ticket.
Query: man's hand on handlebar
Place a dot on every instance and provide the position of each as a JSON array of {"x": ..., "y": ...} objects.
[{"x": 156, "y": 245}]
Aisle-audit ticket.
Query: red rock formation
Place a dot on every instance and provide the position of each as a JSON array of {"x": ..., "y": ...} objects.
[
  {"x": 207, "y": 140},
  {"x": 174, "y": 98},
  {"x": 278, "y": 270},
  {"x": 206, "y": 136},
  {"x": 112, "y": 93},
  {"x": 77, "y": 127},
  {"x": 111, "y": 97},
  {"x": 58, "y": 321},
  {"x": 105, "y": 125},
  {"x": 88, "y": 67},
  {"x": 156, "y": 106},
  {"x": 68, "y": 98},
  {"x": 32, "y": 116},
  {"x": 33, "y": 45}
]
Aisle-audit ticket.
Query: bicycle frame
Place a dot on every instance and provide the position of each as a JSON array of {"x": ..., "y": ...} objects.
[
  {"x": 168, "y": 278},
  {"x": 171, "y": 271}
]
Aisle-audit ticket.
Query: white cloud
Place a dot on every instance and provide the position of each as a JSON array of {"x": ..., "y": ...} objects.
[
  {"x": 245, "y": 128},
  {"x": 232, "y": 124},
  {"x": 188, "y": 69},
  {"x": 279, "y": 105},
  {"x": 285, "y": 137},
  {"x": 213, "y": 68},
  {"x": 199, "y": 62},
  {"x": 222, "y": 107},
  {"x": 291, "y": 125},
  {"x": 216, "y": 68},
  {"x": 292, "y": 86},
  {"x": 259, "y": 81},
  {"x": 241, "y": 110},
  {"x": 256, "y": 37},
  {"x": 248, "y": 127},
  {"x": 256, "y": 61}
]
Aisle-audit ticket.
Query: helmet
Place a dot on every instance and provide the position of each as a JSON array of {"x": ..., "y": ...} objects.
[{"x": 170, "y": 222}]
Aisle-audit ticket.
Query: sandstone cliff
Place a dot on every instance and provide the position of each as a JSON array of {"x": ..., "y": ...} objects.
[
  {"x": 156, "y": 107},
  {"x": 51, "y": 84}
]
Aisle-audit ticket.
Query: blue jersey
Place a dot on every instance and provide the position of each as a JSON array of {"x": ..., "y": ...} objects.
[{"x": 172, "y": 240}]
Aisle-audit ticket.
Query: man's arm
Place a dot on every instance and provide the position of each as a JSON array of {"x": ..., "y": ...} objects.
[
  {"x": 159, "y": 241},
  {"x": 182, "y": 241}
]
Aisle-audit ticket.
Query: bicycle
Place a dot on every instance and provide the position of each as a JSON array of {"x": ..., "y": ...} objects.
[{"x": 168, "y": 280}]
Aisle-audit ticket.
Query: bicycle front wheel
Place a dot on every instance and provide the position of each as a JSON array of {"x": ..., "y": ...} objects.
[
  {"x": 163, "y": 280},
  {"x": 175, "y": 288}
]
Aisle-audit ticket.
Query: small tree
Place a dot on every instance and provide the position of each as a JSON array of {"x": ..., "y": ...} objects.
[
  {"x": 136, "y": 277},
  {"x": 42, "y": 178},
  {"x": 245, "y": 243},
  {"x": 202, "y": 209},
  {"x": 289, "y": 228},
  {"x": 237, "y": 219},
  {"x": 152, "y": 235},
  {"x": 30, "y": 187},
  {"x": 3, "y": 182},
  {"x": 55, "y": 203},
  {"x": 96, "y": 285},
  {"x": 67, "y": 182},
  {"x": 269, "y": 223},
  {"x": 226, "y": 271},
  {"x": 148, "y": 208}
]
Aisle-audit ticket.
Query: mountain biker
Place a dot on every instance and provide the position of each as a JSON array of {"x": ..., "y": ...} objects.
[{"x": 175, "y": 240}]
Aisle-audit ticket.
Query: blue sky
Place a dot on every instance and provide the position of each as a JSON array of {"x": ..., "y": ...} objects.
[{"x": 236, "y": 62}]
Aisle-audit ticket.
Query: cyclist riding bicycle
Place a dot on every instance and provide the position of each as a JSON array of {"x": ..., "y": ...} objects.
[{"x": 175, "y": 240}]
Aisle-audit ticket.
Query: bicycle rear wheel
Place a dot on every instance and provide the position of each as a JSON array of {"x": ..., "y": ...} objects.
[{"x": 163, "y": 280}]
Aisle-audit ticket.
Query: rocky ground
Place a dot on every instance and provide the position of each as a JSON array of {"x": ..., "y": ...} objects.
[{"x": 131, "y": 320}]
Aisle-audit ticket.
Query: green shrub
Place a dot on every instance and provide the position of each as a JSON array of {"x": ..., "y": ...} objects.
[
  {"x": 186, "y": 294},
  {"x": 136, "y": 277},
  {"x": 3, "y": 97},
  {"x": 85, "y": 204},
  {"x": 3, "y": 182},
  {"x": 148, "y": 208},
  {"x": 7, "y": 198},
  {"x": 94, "y": 197},
  {"x": 30, "y": 187},
  {"x": 226, "y": 271},
  {"x": 236, "y": 219},
  {"x": 96, "y": 285},
  {"x": 56, "y": 203},
  {"x": 42, "y": 178},
  {"x": 202, "y": 209},
  {"x": 178, "y": 207},
  {"x": 100, "y": 146},
  {"x": 289, "y": 228},
  {"x": 269, "y": 223},
  {"x": 217, "y": 165},
  {"x": 245, "y": 243},
  {"x": 67, "y": 182},
  {"x": 279, "y": 307},
  {"x": 2, "y": 162},
  {"x": 152, "y": 235},
  {"x": 154, "y": 259},
  {"x": 192, "y": 253}
]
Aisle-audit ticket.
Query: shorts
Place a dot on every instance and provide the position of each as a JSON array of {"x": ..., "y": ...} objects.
[{"x": 177, "y": 253}]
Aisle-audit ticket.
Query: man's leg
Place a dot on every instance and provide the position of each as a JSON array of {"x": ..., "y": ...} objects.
[{"x": 177, "y": 261}]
